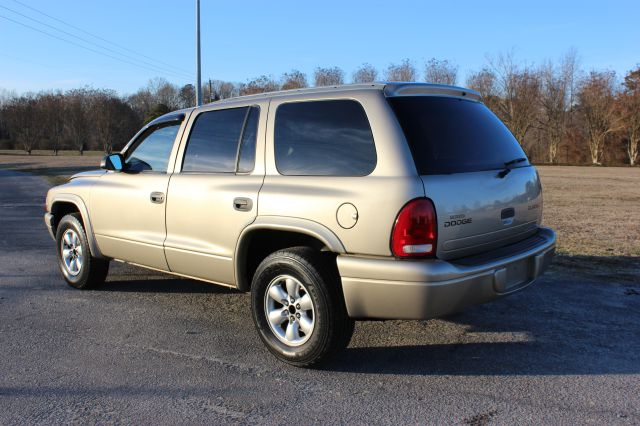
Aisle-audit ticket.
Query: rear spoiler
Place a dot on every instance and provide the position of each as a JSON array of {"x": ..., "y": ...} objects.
[{"x": 427, "y": 89}]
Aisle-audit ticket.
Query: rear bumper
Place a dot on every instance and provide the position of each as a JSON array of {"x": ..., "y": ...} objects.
[{"x": 405, "y": 289}]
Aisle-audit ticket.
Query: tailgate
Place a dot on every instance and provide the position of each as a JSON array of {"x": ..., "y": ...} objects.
[{"x": 480, "y": 211}]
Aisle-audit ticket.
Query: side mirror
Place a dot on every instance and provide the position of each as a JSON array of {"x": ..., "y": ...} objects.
[{"x": 113, "y": 162}]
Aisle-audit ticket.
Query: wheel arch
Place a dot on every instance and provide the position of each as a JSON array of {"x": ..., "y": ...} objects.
[
  {"x": 64, "y": 204},
  {"x": 268, "y": 234}
]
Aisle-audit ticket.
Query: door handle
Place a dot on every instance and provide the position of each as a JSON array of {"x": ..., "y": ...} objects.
[
  {"x": 157, "y": 197},
  {"x": 242, "y": 204}
]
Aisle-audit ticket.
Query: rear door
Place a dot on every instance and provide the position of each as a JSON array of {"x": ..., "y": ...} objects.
[
  {"x": 213, "y": 193},
  {"x": 485, "y": 192}
]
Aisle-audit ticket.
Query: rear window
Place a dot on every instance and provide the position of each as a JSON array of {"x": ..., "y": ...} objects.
[
  {"x": 451, "y": 135},
  {"x": 323, "y": 138}
]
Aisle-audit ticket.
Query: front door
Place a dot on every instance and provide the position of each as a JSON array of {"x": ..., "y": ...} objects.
[
  {"x": 128, "y": 207},
  {"x": 213, "y": 193}
]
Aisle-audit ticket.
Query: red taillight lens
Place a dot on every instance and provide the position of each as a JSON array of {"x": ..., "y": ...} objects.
[{"x": 416, "y": 229}]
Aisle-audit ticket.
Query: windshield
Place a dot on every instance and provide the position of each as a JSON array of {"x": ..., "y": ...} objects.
[{"x": 452, "y": 135}]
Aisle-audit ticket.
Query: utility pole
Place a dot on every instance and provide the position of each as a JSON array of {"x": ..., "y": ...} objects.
[
  {"x": 198, "y": 65},
  {"x": 210, "y": 92}
]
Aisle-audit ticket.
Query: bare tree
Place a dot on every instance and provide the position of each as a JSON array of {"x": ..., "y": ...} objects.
[
  {"x": 53, "y": 117},
  {"x": 328, "y": 76},
  {"x": 440, "y": 72},
  {"x": 630, "y": 113},
  {"x": 261, "y": 84},
  {"x": 101, "y": 115},
  {"x": 227, "y": 90},
  {"x": 405, "y": 71},
  {"x": 5, "y": 97},
  {"x": 293, "y": 79},
  {"x": 556, "y": 98},
  {"x": 517, "y": 90},
  {"x": 367, "y": 73},
  {"x": 187, "y": 96},
  {"x": 219, "y": 89},
  {"x": 112, "y": 120},
  {"x": 76, "y": 121},
  {"x": 596, "y": 97},
  {"x": 485, "y": 83},
  {"x": 142, "y": 101},
  {"x": 224, "y": 89},
  {"x": 24, "y": 117}
]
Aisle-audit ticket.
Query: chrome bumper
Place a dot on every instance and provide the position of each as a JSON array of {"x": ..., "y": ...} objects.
[
  {"x": 48, "y": 220},
  {"x": 405, "y": 289}
]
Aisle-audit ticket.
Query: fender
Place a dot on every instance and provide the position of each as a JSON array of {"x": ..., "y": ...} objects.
[
  {"x": 82, "y": 208},
  {"x": 281, "y": 223}
]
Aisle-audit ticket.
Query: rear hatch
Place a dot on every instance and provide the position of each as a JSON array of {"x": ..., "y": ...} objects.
[{"x": 485, "y": 192}]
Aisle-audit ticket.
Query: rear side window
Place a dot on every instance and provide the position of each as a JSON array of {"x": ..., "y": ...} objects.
[
  {"x": 450, "y": 135},
  {"x": 323, "y": 138},
  {"x": 216, "y": 139}
]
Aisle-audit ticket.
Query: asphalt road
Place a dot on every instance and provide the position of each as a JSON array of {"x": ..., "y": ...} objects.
[{"x": 150, "y": 349}]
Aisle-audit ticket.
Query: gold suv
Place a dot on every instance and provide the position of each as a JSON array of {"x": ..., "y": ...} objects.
[{"x": 397, "y": 200}]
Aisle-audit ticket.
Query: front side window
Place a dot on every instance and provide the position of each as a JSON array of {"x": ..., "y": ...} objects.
[
  {"x": 323, "y": 138},
  {"x": 214, "y": 142},
  {"x": 154, "y": 149}
]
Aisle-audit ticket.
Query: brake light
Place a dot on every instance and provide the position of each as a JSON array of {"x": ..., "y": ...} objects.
[{"x": 415, "y": 230}]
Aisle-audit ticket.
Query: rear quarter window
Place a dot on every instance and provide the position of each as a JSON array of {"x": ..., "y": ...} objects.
[
  {"x": 452, "y": 135},
  {"x": 323, "y": 138}
]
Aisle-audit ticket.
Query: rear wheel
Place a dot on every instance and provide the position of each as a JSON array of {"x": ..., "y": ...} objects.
[
  {"x": 298, "y": 308},
  {"x": 78, "y": 267}
]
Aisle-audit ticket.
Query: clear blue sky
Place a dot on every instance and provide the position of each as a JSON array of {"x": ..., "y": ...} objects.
[{"x": 241, "y": 40}]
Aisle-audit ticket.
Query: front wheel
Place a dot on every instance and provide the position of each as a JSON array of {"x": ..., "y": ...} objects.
[
  {"x": 298, "y": 307},
  {"x": 78, "y": 267}
]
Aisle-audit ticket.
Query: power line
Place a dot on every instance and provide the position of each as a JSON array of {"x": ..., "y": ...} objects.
[
  {"x": 79, "y": 45},
  {"x": 98, "y": 37},
  {"x": 156, "y": 67}
]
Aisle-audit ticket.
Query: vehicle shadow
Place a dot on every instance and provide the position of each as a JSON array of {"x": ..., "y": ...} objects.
[
  {"x": 566, "y": 324},
  {"x": 561, "y": 326}
]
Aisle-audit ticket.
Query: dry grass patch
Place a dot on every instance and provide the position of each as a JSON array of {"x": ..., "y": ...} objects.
[
  {"x": 595, "y": 210},
  {"x": 596, "y": 213}
]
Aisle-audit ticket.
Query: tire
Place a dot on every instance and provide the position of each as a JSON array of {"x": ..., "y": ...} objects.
[
  {"x": 79, "y": 269},
  {"x": 316, "y": 325}
]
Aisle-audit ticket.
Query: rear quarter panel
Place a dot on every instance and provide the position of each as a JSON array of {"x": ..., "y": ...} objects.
[{"x": 377, "y": 197}]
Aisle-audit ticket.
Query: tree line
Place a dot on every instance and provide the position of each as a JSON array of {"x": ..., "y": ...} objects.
[{"x": 558, "y": 112}]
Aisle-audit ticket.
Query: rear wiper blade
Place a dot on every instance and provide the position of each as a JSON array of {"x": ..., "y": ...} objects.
[{"x": 507, "y": 166}]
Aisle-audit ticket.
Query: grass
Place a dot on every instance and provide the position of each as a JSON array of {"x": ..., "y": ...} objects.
[
  {"x": 596, "y": 213},
  {"x": 594, "y": 210}
]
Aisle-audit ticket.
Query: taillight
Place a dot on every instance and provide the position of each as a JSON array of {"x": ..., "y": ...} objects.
[{"x": 416, "y": 230}]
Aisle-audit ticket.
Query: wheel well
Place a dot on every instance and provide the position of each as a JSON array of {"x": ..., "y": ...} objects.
[
  {"x": 60, "y": 209},
  {"x": 259, "y": 244}
]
